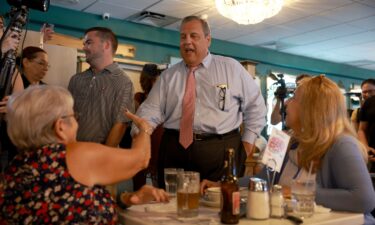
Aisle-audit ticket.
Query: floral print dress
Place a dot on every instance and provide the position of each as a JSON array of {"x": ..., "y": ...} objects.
[{"x": 38, "y": 189}]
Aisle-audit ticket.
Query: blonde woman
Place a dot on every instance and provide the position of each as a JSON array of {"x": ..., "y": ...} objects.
[
  {"x": 317, "y": 115},
  {"x": 55, "y": 179}
]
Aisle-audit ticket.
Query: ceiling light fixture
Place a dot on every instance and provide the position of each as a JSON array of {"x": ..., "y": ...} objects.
[{"x": 249, "y": 11}]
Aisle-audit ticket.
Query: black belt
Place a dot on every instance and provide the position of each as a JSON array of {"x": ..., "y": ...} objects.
[{"x": 204, "y": 136}]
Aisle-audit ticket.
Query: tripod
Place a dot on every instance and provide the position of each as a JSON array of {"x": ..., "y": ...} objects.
[
  {"x": 283, "y": 114},
  {"x": 281, "y": 94},
  {"x": 7, "y": 69},
  {"x": 8, "y": 62}
]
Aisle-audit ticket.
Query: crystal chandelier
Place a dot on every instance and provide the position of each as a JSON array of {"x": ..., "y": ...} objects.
[{"x": 249, "y": 11}]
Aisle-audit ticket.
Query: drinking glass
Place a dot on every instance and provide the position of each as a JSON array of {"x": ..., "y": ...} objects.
[
  {"x": 188, "y": 194},
  {"x": 303, "y": 197},
  {"x": 170, "y": 179}
]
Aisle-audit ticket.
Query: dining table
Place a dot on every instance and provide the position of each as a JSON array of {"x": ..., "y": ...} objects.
[{"x": 166, "y": 214}]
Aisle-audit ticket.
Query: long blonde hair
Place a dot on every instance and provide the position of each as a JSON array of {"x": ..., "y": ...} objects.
[{"x": 323, "y": 117}]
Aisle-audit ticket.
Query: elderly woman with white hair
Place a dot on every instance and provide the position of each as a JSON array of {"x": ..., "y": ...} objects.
[{"x": 54, "y": 178}]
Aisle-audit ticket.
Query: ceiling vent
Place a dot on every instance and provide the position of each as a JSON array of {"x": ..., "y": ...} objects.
[
  {"x": 66, "y": 2},
  {"x": 153, "y": 19},
  {"x": 276, "y": 45},
  {"x": 361, "y": 62}
]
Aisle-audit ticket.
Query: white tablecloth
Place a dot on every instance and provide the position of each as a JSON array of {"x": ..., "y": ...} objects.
[{"x": 155, "y": 214}]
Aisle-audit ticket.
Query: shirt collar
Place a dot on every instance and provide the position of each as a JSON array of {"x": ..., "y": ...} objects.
[
  {"x": 205, "y": 63},
  {"x": 110, "y": 68},
  {"x": 207, "y": 60}
]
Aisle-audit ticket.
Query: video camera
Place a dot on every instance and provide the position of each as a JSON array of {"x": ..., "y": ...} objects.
[
  {"x": 41, "y": 5},
  {"x": 283, "y": 90}
]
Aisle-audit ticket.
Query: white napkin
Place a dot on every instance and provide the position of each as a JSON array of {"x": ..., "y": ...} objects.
[
  {"x": 321, "y": 209},
  {"x": 164, "y": 208},
  {"x": 317, "y": 208}
]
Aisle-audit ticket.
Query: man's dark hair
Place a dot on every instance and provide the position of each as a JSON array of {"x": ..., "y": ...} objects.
[
  {"x": 368, "y": 81},
  {"x": 205, "y": 26},
  {"x": 149, "y": 74},
  {"x": 105, "y": 34}
]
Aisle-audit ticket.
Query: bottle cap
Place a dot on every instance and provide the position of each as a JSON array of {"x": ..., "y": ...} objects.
[
  {"x": 230, "y": 150},
  {"x": 257, "y": 185},
  {"x": 276, "y": 187}
]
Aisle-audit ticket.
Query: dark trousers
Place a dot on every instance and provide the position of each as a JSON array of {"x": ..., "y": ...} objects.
[
  {"x": 6, "y": 146},
  {"x": 205, "y": 156}
]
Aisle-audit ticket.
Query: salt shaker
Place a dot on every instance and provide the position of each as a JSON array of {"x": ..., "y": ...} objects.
[
  {"x": 258, "y": 205},
  {"x": 277, "y": 202}
]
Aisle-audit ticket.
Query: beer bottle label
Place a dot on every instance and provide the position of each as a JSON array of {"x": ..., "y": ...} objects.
[{"x": 236, "y": 203}]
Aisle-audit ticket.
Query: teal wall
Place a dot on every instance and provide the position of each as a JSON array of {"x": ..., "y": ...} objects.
[{"x": 158, "y": 45}]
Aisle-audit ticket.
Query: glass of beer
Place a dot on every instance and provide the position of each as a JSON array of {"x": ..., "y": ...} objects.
[{"x": 188, "y": 194}]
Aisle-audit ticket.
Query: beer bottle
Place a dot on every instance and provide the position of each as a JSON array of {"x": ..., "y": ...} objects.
[{"x": 230, "y": 207}]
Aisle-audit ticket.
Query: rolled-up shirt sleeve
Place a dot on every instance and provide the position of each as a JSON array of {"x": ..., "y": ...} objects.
[
  {"x": 151, "y": 108},
  {"x": 253, "y": 108}
]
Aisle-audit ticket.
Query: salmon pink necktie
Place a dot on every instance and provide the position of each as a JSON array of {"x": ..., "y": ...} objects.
[{"x": 188, "y": 108}]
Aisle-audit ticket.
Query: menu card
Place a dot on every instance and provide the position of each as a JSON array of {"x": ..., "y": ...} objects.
[{"x": 274, "y": 153}]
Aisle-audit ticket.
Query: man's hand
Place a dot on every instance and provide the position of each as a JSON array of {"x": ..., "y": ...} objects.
[
  {"x": 141, "y": 123},
  {"x": 371, "y": 154},
  {"x": 10, "y": 42},
  {"x": 207, "y": 184},
  {"x": 47, "y": 33},
  {"x": 3, "y": 104}
]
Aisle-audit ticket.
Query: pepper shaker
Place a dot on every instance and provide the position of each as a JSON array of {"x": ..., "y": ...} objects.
[{"x": 277, "y": 202}]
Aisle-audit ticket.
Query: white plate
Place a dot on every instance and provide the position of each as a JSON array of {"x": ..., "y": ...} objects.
[{"x": 210, "y": 204}]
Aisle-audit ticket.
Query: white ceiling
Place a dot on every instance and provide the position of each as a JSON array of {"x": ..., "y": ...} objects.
[{"x": 341, "y": 31}]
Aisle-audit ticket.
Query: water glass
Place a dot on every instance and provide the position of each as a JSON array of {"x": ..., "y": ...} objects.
[
  {"x": 303, "y": 197},
  {"x": 188, "y": 194},
  {"x": 170, "y": 179}
]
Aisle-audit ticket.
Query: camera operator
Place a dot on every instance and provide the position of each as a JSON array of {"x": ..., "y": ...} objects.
[
  {"x": 280, "y": 95},
  {"x": 11, "y": 82},
  {"x": 9, "y": 43}
]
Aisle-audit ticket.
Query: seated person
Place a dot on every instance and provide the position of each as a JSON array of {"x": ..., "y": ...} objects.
[
  {"x": 326, "y": 139},
  {"x": 54, "y": 178}
]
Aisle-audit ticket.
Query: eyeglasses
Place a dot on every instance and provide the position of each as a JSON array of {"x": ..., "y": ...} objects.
[
  {"x": 368, "y": 91},
  {"x": 75, "y": 115},
  {"x": 42, "y": 63},
  {"x": 222, "y": 93}
]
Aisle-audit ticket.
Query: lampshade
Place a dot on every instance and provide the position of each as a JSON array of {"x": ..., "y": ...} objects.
[{"x": 249, "y": 11}]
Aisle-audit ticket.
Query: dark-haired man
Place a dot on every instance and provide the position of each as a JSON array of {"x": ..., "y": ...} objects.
[
  {"x": 366, "y": 130},
  {"x": 102, "y": 92}
]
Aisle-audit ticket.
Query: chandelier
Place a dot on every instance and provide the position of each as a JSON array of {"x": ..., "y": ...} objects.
[{"x": 248, "y": 11}]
